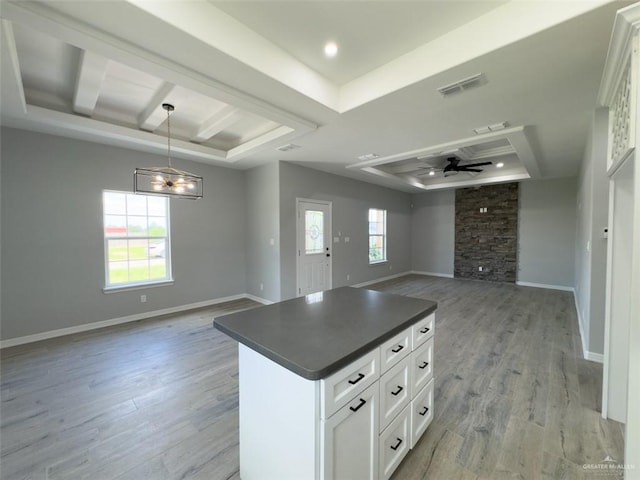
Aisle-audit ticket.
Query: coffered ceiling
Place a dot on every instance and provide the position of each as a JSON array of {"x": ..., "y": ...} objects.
[{"x": 248, "y": 78}]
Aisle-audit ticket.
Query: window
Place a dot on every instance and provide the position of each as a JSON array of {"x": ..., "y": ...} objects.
[
  {"x": 313, "y": 232},
  {"x": 377, "y": 235},
  {"x": 136, "y": 239}
]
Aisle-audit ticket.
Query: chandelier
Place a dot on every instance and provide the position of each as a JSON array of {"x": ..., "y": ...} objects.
[{"x": 167, "y": 181}]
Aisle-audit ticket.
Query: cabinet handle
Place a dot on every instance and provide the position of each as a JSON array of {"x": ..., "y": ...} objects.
[
  {"x": 424, "y": 412},
  {"x": 395, "y": 447},
  {"x": 424, "y": 330},
  {"x": 360, "y": 377},
  {"x": 397, "y": 349},
  {"x": 423, "y": 366},
  {"x": 397, "y": 392},
  {"x": 356, "y": 408}
]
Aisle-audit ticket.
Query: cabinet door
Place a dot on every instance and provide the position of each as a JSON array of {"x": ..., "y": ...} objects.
[
  {"x": 395, "y": 392},
  {"x": 421, "y": 366},
  {"x": 394, "y": 443},
  {"x": 350, "y": 439},
  {"x": 342, "y": 386},
  {"x": 395, "y": 349},
  {"x": 422, "y": 330},
  {"x": 421, "y": 413}
]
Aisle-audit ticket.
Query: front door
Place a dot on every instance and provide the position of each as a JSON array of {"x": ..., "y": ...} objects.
[{"x": 313, "y": 246}]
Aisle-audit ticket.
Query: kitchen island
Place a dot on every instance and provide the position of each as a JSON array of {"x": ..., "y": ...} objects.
[{"x": 337, "y": 384}]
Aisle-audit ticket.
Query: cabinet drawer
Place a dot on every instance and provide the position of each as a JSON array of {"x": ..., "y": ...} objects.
[
  {"x": 339, "y": 388},
  {"x": 421, "y": 412},
  {"x": 350, "y": 439},
  {"x": 422, "y": 365},
  {"x": 394, "y": 443},
  {"x": 395, "y": 349},
  {"x": 395, "y": 391},
  {"x": 422, "y": 330}
]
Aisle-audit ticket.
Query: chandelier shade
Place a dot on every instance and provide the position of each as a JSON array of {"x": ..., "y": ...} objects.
[{"x": 167, "y": 181}]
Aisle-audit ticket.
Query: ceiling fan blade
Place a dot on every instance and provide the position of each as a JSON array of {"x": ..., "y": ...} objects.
[
  {"x": 481, "y": 164},
  {"x": 453, "y": 161},
  {"x": 465, "y": 169}
]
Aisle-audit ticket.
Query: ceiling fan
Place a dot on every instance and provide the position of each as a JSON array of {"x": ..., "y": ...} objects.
[{"x": 453, "y": 167}]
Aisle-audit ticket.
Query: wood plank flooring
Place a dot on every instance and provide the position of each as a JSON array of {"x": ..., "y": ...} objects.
[{"x": 158, "y": 399}]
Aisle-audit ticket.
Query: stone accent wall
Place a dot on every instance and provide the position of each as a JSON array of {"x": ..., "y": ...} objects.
[{"x": 487, "y": 239}]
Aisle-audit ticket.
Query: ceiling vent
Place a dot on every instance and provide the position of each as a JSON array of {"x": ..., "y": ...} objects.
[
  {"x": 464, "y": 84},
  {"x": 368, "y": 156},
  {"x": 287, "y": 147}
]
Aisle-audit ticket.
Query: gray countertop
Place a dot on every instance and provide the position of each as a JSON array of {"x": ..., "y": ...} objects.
[{"x": 317, "y": 335}]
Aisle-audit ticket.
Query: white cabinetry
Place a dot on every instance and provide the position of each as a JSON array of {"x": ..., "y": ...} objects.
[
  {"x": 357, "y": 423},
  {"x": 350, "y": 443}
]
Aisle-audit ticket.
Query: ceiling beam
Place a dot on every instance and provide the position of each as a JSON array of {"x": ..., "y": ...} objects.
[
  {"x": 153, "y": 116},
  {"x": 13, "y": 99},
  {"x": 275, "y": 137},
  {"x": 217, "y": 122},
  {"x": 92, "y": 69},
  {"x": 84, "y": 128}
]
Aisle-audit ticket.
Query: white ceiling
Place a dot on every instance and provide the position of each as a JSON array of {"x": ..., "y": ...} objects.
[{"x": 249, "y": 76}]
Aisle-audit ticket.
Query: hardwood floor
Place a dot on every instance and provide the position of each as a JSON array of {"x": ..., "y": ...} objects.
[{"x": 158, "y": 399}]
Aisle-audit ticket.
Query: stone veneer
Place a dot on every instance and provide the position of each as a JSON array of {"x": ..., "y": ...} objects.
[{"x": 488, "y": 240}]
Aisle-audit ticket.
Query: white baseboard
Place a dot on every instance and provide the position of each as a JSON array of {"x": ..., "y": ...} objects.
[
  {"x": 12, "y": 342},
  {"x": 261, "y": 300},
  {"x": 432, "y": 274},
  {"x": 545, "y": 285},
  {"x": 587, "y": 355},
  {"x": 580, "y": 319},
  {"x": 594, "y": 357},
  {"x": 381, "y": 279}
]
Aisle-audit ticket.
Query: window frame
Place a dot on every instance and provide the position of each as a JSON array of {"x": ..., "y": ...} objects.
[
  {"x": 134, "y": 285},
  {"x": 384, "y": 258}
]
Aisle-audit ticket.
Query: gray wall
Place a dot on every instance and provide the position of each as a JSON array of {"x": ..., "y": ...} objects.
[
  {"x": 547, "y": 232},
  {"x": 263, "y": 220},
  {"x": 351, "y": 202},
  {"x": 52, "y": 244},
  {"x": 433, "y": 232},
  {"x": 591, "y": 247}
]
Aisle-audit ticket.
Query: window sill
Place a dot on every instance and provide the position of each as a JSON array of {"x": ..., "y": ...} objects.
[
  {"x": 378, "y": 262},
  {"x": 137, "y": 286}
]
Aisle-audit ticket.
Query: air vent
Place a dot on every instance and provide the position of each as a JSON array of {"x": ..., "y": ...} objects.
[
  {"x": 287, "y": 147},
  {"x": 464, "y": 84},
  {"x": 368, "y": 156},
  {"x": 490, "y": 128}
]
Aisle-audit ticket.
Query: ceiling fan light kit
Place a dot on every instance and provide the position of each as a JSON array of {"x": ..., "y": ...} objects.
[{"x": 168, "y": 181}]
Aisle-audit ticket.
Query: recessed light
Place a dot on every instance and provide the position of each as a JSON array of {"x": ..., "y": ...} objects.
[
  {"x": 432, "y": 173},
  {"x": 330, "y": 49},
  {"x": 499, "y": 165}
]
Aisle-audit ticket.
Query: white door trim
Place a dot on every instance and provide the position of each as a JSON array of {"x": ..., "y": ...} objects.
[{"x": 328, "y": 204}]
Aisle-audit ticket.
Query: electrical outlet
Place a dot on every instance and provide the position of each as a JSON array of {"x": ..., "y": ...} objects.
[
  {"x": 261, "y": 286},
  {"x": 479, "y": 269},
  {"x": 348, "y": 277},
  {"x": 143, "y": 299}
]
